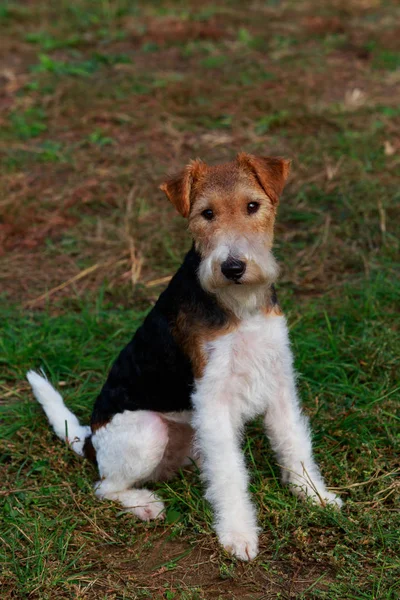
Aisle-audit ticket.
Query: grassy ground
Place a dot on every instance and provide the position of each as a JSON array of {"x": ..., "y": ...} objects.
[{"x": 99, "y": 100}]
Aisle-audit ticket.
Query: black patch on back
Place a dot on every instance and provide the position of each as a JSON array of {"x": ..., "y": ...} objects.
[{"x": 152, "y": 372}]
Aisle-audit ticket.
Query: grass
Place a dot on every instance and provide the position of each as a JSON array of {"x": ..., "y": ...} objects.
[
  {"x": 100, "y": 101},
  {"x": 53, "y": 525}
]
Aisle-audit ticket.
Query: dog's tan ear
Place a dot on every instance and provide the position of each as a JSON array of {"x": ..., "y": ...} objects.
[
  {"x": 178, "y": 188},
  {"x": 270, "y": 172}
]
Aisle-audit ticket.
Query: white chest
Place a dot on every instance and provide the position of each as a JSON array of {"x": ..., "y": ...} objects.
[{"x": 242, "y": 365}]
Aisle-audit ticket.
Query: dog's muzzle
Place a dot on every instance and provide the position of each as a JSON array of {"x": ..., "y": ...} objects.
[{"x": 233, "y": 269}]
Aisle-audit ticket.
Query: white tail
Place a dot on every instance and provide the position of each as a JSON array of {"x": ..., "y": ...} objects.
[{"x": 64, "y": 422}]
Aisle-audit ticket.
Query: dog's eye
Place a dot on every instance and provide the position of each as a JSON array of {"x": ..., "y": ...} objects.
[
  {"x": 208, "y": 214},
  {"x": 252, "y": 207}
]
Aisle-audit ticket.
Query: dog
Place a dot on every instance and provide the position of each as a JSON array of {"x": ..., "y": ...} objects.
[{"x": 211, "y": 355}]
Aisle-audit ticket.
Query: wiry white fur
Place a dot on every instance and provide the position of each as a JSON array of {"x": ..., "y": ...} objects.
[
  {"x": 65, "y": 424},
  {"x": 290, "y": 437},
  {"x": 249, "y": 372},
  {"x": 128, "y": 450}
]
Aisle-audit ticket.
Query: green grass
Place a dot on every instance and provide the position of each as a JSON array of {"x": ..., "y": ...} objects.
[
  {"x": 345, "y": 352},
  {"x": 28, "y": 124},
  {"x": 100, "y": 100}
]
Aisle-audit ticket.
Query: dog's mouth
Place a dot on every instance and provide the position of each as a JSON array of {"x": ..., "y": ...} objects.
[{"x": 221, "y": 282}]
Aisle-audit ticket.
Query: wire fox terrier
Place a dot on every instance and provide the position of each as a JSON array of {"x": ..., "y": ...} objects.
[{"x": 211, "y": 355}]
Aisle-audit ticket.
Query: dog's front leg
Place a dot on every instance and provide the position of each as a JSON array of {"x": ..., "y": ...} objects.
[
  {"x": 218, "y": 435},
  {"x": 290, "y": 437}
]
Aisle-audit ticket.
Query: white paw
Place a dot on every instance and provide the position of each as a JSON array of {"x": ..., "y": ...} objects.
[
  {"x": 322, "y": 497},
  {"x": 142, "y": 503},
  {"x": 329, "y": 498},
  {"x": 241, "y": 544},
  {"x": 319, "y": 495},
  {"x": 148, "y": 508}
]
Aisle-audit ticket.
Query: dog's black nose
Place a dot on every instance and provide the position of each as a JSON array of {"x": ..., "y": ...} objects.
[{"x": 233, "y": 269}]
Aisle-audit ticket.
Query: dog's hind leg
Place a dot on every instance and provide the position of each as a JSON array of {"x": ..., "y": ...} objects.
[
  {"x": 128, "y": 451},
  {"x": 141, "y": 502}
]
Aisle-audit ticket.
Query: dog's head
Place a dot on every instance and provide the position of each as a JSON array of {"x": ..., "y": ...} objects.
[{"x": 231, "y": 212}]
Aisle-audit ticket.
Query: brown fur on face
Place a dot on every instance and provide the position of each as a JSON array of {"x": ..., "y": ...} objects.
[
  {"x": 179, "y": 188},
  {"x": 233, "y": 231},
  {"x": 269, "y": 173},
  {"x": 227, "y": 193}
]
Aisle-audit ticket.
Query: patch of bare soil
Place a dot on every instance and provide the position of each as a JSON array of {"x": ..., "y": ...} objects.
[{"x": 184, "y": 564}]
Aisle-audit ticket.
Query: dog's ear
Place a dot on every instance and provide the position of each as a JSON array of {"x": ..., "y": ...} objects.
[
  {"x": 178, "y": 188},
  {"x": 271, "y": 173}
]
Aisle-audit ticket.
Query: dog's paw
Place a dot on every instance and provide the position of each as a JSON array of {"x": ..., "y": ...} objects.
[
  {"x": 329, "y": 498},
  {"x": 146, "y": 506},
  {"x": 243, "y": 545},
  {"x": 142, "y": 503},
  {"x": 323, "y": 497},
  {"x": 319, "y": 496},
  {"x": 310, "y": 486}
]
